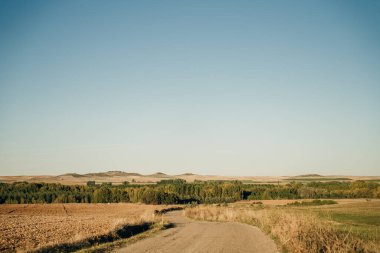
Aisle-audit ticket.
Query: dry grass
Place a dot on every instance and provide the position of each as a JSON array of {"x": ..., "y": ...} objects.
[
  {"x": 295, "y": 230},
  {"x": 29, "y": 227}
]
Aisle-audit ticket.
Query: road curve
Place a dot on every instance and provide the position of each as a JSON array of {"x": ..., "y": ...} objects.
[{"x": 200, "y": 236}]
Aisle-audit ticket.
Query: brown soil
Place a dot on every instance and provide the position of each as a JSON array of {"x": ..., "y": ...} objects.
[{"x": 25, "y": 227}]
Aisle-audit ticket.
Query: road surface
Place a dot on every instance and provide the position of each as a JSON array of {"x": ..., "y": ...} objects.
[{"x": 200, "y": 236}]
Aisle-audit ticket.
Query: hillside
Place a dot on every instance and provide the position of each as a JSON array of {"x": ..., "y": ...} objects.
[{"x": 118, "y": 177}]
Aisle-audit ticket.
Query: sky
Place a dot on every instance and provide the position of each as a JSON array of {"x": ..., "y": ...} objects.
[{"x": 209, "y": 87}]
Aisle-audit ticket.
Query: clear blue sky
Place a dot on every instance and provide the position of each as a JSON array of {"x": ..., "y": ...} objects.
[{"x": 210, "y": 87}]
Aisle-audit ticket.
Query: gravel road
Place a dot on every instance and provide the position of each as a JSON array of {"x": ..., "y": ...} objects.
[{"x": 199, "y": 236}]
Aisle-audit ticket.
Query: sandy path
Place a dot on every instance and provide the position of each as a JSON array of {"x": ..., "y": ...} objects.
[{"x": 198, "y": 236}]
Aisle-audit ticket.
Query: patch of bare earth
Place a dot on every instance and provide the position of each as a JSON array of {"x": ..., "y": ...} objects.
[{"x": 26, "y": 227}]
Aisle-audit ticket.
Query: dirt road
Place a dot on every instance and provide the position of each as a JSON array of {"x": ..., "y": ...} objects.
[{"x": 199, "y": 236}]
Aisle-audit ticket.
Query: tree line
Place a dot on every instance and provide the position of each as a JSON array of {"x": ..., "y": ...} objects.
[{"x": 178, "y": 191}]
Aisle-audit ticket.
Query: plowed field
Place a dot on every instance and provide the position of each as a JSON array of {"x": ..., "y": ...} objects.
[{"x": 26, "y": 227}]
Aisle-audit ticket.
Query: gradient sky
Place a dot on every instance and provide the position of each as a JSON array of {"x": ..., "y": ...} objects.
[{"x": 210, "y": 87}]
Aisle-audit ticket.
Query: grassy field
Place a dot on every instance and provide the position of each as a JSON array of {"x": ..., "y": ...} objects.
[
  {"x": 349, "y": 226},
  {"x": 361, "y": 219},
  {"x": 62, "y": 226}
]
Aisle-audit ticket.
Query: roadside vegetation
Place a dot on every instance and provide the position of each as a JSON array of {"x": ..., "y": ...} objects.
[
  {"x": 179, "y": 191},
  {"x": 305, "y": 228}
]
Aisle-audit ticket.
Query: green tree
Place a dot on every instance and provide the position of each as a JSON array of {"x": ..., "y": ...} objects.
[
  {"x": 102, "y": 195},
  {"x": 91, "y": 183}
]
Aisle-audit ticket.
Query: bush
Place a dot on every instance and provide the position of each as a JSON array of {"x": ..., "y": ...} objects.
[{"x": 315, "y": 202}]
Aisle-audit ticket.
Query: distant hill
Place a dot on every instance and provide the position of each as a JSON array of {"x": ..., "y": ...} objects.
[
  {"x": 160, "y": 175},
  {"x": 187, "y": 174},
  {"x": 310, "y": 175},
  {"x": 112, "y": 174},
  {"x": 122, "y": 173},
  {"x": 72, "y": 175},
  {"x": 118, "y": 177}
]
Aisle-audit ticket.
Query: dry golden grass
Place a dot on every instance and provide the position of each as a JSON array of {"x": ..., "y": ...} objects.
[
  {"x": 26, "y": 227},
  {"x": 295, "y": 230}
]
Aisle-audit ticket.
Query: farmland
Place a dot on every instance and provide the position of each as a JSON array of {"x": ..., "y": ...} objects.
[
  {"x": 313, "y": 226},
  {"x": 361, "y": 219},
  {"x": 27, "y": 227}
]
